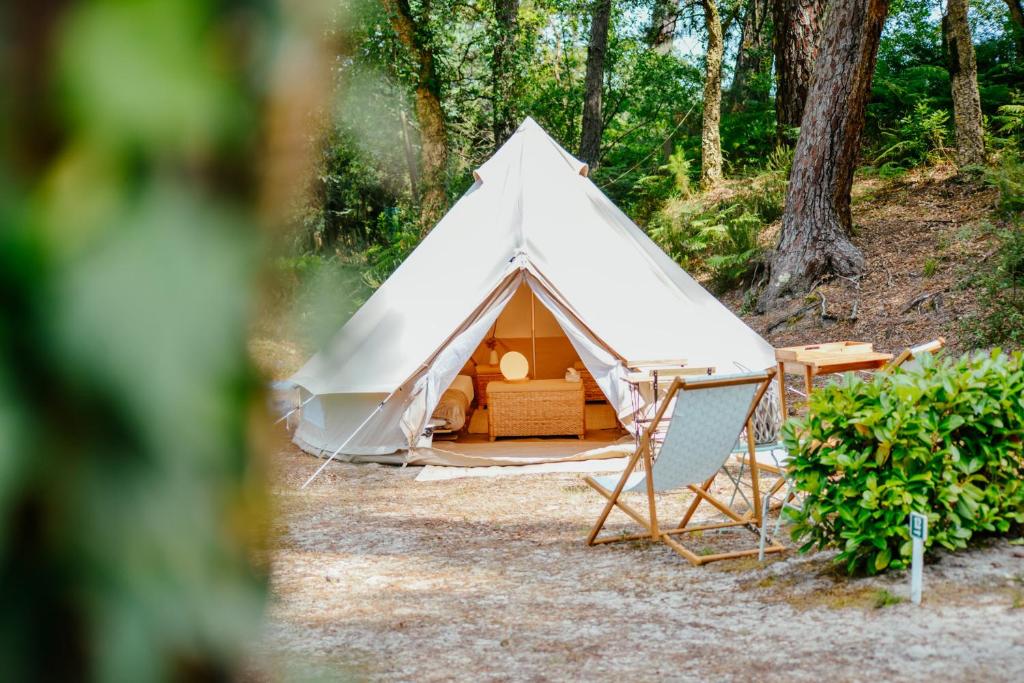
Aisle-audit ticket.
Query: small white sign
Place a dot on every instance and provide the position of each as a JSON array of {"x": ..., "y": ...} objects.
[
  {"x": 918, "y": 525},
  {"x": 918, "y": 534}
]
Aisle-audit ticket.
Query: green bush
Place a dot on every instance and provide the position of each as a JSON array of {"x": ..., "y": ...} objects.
[{"x": 941, "y": 437}]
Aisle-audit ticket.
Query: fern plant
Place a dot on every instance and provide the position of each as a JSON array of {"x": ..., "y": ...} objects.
[{"x": 918, "y": 138}]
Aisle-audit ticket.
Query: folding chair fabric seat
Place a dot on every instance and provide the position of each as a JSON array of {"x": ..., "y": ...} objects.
[{"x": 708, "y": 415}]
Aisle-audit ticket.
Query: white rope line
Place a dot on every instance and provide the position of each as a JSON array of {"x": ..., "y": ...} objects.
[
  {"x": 292, "y": 411},
  {"x": 654, "y": 150},
  {"x": 357, "y": 430}
]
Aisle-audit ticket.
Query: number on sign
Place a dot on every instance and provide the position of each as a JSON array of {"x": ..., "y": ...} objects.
[{"x": 918, "y": 525}]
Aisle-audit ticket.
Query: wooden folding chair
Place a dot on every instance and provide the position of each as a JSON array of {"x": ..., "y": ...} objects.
[{"x": 708, "y": 415}]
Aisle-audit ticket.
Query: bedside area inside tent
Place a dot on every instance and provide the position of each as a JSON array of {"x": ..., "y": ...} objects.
[{"x": 524, "y": 390}]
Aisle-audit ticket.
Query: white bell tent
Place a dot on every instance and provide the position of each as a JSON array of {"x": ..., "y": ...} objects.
[{"x": 532, "y": 219}]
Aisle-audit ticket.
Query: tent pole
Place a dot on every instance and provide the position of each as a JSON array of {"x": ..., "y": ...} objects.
[{"x": 533, "y": 330}]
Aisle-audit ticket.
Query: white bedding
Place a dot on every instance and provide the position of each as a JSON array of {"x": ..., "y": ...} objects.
[{"x": 454, "y": 404}]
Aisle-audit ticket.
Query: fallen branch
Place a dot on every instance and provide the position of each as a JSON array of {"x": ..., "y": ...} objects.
[
  {"x": 787, "y": 318},
  {"x": 921, "y": 299}
]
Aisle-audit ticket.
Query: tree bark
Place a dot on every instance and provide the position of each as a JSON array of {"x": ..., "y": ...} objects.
[
  {"x": 1017, "y": 17},
  {"x": 796, "y": 29},
  {"x": 816, "y": 225},
  {"x": 593, "y": 123},
  {"x": 754, "y": 54},
  {"x": 661, "y": 35},
  {"x": 414, "y": 35},
  {"x": 504, "y": 72},
  {"x": 963, "y": 79},
  {"x": 710, "y": 136}
]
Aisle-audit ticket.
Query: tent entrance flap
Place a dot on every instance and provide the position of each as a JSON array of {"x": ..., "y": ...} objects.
[
  {"x": 601, "y": 362},
  {"x": 440, "y": 373}
]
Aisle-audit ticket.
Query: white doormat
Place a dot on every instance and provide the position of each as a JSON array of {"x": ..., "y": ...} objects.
[{"x": 440, "y": 473}]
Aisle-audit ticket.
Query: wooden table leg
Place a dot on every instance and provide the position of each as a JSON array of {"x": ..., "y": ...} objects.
[
  {"x": 781, "y": 377},
  {"x": 808, "y": 380}
]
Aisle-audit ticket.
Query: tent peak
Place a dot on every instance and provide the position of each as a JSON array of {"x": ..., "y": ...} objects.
[{"x": 529, "y": 133}]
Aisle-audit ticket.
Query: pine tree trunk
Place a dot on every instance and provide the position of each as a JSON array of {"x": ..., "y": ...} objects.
[
  {"x": 661, "y": 34},
  {"x": 1017, "y": 17},
  {"x": 797, "y": 28},
  {"x": 710, "y": 136},
  {"x": 414, "y": 36},
  {"x": 754, "y": 54},
  {"x": 816, "y": 225},
  {"x": 593, "y": 124},
  {"x": 504, "y": 76},
  {"x": 963, "y": 79}
]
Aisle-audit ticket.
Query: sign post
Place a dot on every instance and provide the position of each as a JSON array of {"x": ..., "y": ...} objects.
[{"x": 918, "y": 534}]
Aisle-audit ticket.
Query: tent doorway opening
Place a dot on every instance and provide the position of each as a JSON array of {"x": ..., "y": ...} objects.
[{"x": 559, "y": 409}]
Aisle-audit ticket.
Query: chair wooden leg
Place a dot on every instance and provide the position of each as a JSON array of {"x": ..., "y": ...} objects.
[
  {"x": 696, "y": 501},
  {"x": 604, "y": 513},
  {"x": 702, "y": 494},
  {"x": 692, "y": 557}
]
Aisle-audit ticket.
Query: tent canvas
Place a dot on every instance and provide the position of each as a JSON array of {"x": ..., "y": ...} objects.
[{"x": 532, "y": 218}]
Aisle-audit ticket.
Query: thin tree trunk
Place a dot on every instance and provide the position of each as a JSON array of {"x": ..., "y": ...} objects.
[
  {"x": 816, "y": 226},
  {"x": 753, "y": 56},
  {"x": 414, "y": 36},
  {"x": 504, "y": 76},
  {"x": 796, "y": 28},
  {"x": 661, "y": 34},
  {"x": 1017, "y": 17},
  {"x": 593, "y": 123},
  {"x": 710, "y": 137},
  {"x": 963, "y": 79}
]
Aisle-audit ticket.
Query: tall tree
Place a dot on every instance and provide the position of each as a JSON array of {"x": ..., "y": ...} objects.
[
  {"x": 710, "y": 135},
  {"x": 753, "y": 57},
  {"x": 414, "y": 34},
  {"x": 593, "y": 123},
  {"x": 816, "y": 225},
  {"x": 661, "y": 34},
  {"x": 1017, "y": 17},
  {"x": 963, "y": 79},
  {"x": 504, "y": 76},
  {"x": 796, "y": 26}
]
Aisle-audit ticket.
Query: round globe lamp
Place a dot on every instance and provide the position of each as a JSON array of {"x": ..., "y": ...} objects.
[{"x": 514, "y": 366}]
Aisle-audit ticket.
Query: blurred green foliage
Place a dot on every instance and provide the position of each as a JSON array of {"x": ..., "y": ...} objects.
[{"x": 131, "y": 499}]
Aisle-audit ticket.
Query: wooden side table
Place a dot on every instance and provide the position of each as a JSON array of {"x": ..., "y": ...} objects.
[
  {"x": 825, "y": 359},
  {"x": 591, "y": 389},
  {"x": 484, "y": 375}
]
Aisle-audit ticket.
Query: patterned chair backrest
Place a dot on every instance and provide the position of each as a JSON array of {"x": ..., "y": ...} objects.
[{"x": 703, "y": 431}]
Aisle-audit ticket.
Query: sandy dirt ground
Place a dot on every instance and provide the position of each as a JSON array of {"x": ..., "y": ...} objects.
[{"x": 378, "y": 577}]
